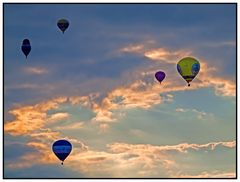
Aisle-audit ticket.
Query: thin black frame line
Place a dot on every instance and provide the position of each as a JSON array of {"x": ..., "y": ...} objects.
[
  {"x": 118, "y": 3},
  {"x": 236, "y": 89}
]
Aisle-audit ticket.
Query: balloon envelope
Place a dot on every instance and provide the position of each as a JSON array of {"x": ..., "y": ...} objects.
[
  {"x": 26, "y": 47},
  {"x": 188, "y": 68},
  {"x": 62, "y": 148},
  {"x": 62, "y": 24},
  {"x": 160, "y": 75}
]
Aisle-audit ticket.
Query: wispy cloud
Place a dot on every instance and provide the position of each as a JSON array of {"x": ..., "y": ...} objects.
[
  {"x": 128, "y": 159},
  {"x": 181, "y": 110},
  {"x": 221, "y": 85},
  {"x": 32, "y": 121},
  {"x": 72, "y": 126},
  {"x": 137, "y": 48},
  {"x": 23, "y": 86},
  {"x": 58, "y": 117},
  {"x": 207, "y": 174},
  {"x": 162, "y": 54},
  {"x": 125, "y": 160},
  {"x": 156, "y": 54},
  {"x": 45, "y": 134},
  {"x": 137, "y": 132},
  {"x": 136, "y": 95},
  {"x": 200, "y": 114},
  {"x": 35, "y": 70},
  {"x": 219, "y": 44},
  {"x": 144, "y": 92},
  {"x": 207, "y": 76},
  {"x": 30, "y": 118},
  {"x": 182, "y": 148}
]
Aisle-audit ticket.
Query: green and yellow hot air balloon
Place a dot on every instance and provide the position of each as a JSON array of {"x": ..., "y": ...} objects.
[{"x": 188, "y": 68}]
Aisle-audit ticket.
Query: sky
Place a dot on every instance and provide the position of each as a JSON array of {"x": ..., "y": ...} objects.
[{"x": 94, "y": 85}]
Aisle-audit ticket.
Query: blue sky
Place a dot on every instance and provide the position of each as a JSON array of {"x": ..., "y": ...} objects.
[{"x": 94, "y": 85}]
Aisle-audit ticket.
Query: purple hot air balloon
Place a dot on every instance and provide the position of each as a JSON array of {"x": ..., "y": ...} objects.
[{"x": 160, "y": 76}]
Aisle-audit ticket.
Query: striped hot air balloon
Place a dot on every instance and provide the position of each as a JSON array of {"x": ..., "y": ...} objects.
[
  {"x": 62, "y": 148},
  {"x": 188, "y": 68}
]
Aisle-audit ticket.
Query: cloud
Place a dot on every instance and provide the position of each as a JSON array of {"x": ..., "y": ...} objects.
[
  {"x": 43, "y": 154},
  {"x": 58, "y": 117},
  {"x": 119, "y": 160},
  {"x": 200, "y": 114},
  {"x": 137, "y": 132},
  {"x": 132, "y": 160},
  {"x": 206, "y": 174},
  {"x": 30, "y": 118},
  {"x": 136, "y": 95},
  {"x": 137, "y": 48},
  {"x": 72, "y": 126},
  {"x": 207, "y": 76},
  {"x": 19, "y": 165},
  {"x": 181, "y": 110},
  {"x": 103, "y": 116},
  {"x": 23, "y": 86},
  {"x": 103, "y": 127},
  {"x": 122, "y": 159},
  {"x": 219, "y": 44},
  {"x": 44, "y": 134},
  {"x": 229, "y": 144},
  {"x": 182, "y": 148},
  {"x": 31, "y": 121},
  {"x": 156, "y": 54},
  {"x": 83, "y": 100},
  {"x": 162, "y": 54},
  {"x": 35, "y": 70},
  {"x": 144, "y": 91},
  {"x": 127, "y": 159},
  {"x": 222, "y": 86}
]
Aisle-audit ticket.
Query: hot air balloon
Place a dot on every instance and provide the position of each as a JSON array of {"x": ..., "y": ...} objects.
[
  {"x": 26, "y": 47},
  {"x": 62, "y": 148},
  {"x": 188, "y": 68},
  {"x": 62, "y": 24},
  {"x": 160, "y": 75}
]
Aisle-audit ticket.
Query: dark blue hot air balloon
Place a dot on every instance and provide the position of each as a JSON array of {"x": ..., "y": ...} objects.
[
  {"x": 62, "y": 148},
  {"x": 62, "y": 24},
  {"x": 26, "y": 47},
  {"x": 160, "y": 75}
]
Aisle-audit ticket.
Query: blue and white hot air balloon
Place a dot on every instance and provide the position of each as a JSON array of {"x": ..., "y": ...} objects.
[{"x": 62, "y": 148}]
